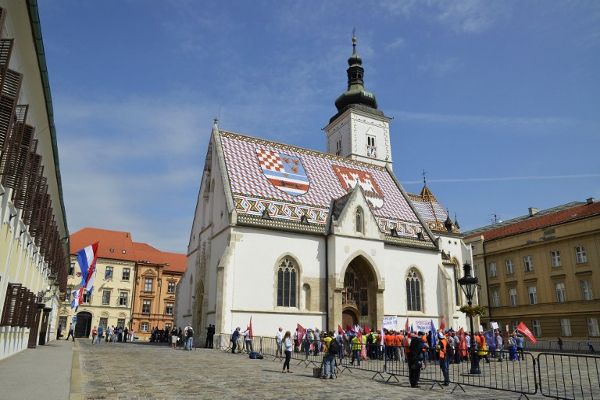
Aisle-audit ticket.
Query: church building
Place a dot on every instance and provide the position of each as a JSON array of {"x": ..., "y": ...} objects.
[{"x": 287, "y": 235}]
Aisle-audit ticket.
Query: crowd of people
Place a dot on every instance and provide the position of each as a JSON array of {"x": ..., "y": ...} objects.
[
  {"x": 112, "y": 334},
  {"x": 414, "y": 348}
]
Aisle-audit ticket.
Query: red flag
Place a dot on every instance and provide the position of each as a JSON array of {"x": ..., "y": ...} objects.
[
  {"x": 442, "y": 324},
  {"x": 250, "y": 328},
  {"x": 340, "y": 330},
  {"x": 462, "y": 345},
  {"x": 406, "y": 328},
  {"x": 523, "y": 329},
  {"x": 348, "y": 328},
  {"x": 367, "y": 330}
]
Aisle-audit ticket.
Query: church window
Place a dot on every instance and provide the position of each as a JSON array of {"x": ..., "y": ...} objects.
[
  {"x": 286, "y": 284},
  {"x": 338, "y": 147},
  {"x": 355, "y": 292},
  {"x": 359, "y": 220},
  {"x": 413, "y": 291}
]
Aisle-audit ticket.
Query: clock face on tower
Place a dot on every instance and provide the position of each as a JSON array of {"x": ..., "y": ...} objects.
[{"x": 371, "y": 151}]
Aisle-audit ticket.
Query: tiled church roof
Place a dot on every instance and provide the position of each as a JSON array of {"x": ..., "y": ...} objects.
[
  {"x": 291, "y": 182},
  {"x": 431, "y": 210}
]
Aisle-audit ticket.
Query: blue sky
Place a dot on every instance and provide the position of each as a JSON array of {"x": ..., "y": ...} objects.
[{"x": 497, "y": 100}]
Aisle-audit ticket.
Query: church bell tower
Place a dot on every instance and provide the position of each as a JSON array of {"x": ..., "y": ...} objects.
[{"x": 359, "y": 130}]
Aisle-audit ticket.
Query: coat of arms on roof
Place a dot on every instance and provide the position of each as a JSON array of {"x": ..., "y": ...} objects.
[
  {"x": 285, "y": 172},
  {"x": 349, "y": 177}
]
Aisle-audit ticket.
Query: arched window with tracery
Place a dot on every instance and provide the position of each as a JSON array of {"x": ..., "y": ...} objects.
[
  {"x": 359, "y": 220},
  {"x": 413, "y": 291},
  {"x": 287, "y": 277},
  {"x": 355, "y": 292}
]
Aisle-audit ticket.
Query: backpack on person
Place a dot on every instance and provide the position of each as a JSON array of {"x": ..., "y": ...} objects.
[
  {"x": 190, "y": 333},
  {"x": 334, "y": 346}
]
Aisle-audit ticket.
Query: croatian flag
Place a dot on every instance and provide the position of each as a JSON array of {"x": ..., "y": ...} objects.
[
  {"x": 87, "y": 263},
  {"x": 77, "y": 298}
]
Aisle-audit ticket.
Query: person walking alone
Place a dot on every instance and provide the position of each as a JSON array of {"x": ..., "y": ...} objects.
[
  {"x": 71, "y": 331},
  {"x": 190, "y": 338},
  {"x": 287, "y": 342},
  {"x": 279, "y": 341}
]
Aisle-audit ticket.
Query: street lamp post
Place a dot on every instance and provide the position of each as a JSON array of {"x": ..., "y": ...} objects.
[{"x": 469, "y": 285}]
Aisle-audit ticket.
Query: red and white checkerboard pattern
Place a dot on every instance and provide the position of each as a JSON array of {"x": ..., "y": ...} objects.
[
  {"x": 269, "y": 160},
  {"x": 245, "y": 157}
]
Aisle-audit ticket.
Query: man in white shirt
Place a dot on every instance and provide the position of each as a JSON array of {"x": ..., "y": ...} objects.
[{"x": 279, "y": 339}]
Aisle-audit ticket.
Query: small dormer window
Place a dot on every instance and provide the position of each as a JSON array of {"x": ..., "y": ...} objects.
[
  {"x": 124, "y": 252},
  {"x": 359, "y": 220},
  {"x": 112, "y": 250}
]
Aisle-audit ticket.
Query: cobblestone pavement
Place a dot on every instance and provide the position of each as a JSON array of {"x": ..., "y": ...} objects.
[{"x": 152, "y": 371}]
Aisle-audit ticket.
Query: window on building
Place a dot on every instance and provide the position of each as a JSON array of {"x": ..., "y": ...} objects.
[
  {"x": 586, "y": 290},
  {"x": 72, "y": 269},
  {"x": 146, "y": 307},
  {"x": 171, "y": 287},
  {"x": 555, "y": 256},
  {"x": 287, "y": 275},
  {"x": 565, "y": 326},
  {"x": 169, "y": 309},
  {"x": 493, "y": 270},
  {"x": 512, "y": 297},
  {"x": 592, "y": 324},
  {"x": 514, "y": 325},
  {"x": 371, "y": 147},
  {"x": 68, "y": 294},
  {"x": 108, "y": 274},
  {"x": 359, "y": 220},
  {"x": 87, "y": 298},
  {"x": 528, "y": 263},
  {"x": 413, "y": 291},
  {"x": 148, "y": 285},
  {"x": 62, "y": 321},
  {"x": 580, "y": 255},
  {"x": 144, "y": 327},
  {"x": 532, "y": 295},
  {"x": 103, "y": 322},
  {"x": 536, "y": 327},
  {"x": 126, "y": 272},
  {"x": 561, "y": 294},
  {"x": 509, "y": 267},
  {"x": 338, "y": 147},
  {"x": 121, "y": 323},
  {"x": 123, "y": 299},
  {"x": 495, "y": 298},
  {"x": 106, "y": 297}
]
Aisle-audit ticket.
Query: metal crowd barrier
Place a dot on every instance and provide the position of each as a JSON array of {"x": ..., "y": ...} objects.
[
  {"x": 559, "y": 376},
  {"x": 565, "y": 376}
]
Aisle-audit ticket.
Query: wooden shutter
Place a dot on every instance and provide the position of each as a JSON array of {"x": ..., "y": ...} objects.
[
  {"x": 10, "y": 161},
  {"x": 29, "y": 185},
  {"x": 9, "y": 93},
  {"x": 10, "y": 304},
  {"x": 30, "y": 199},
  {"x": 7, "y": 103},
  {"x": 20, "y": 308},
  {"x": 2, "y": 18}
]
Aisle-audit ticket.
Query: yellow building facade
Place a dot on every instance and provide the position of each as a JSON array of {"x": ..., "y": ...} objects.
[
  {"x": 542, "y": 269},
  {"x": 34, "y": 236}
]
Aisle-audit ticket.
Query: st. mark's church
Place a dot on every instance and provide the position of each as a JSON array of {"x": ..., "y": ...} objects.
[{"x": 289, "y": 235}]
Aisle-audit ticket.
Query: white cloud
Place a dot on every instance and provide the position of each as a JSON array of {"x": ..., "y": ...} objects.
[
  {"x": 395, "y": 44},
  {"x": 441, "y": 68},
  {"x": 468, "y": 16}
]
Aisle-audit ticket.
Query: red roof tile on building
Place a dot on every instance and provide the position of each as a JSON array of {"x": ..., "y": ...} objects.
[
  {"x": 114, "y": 245},
  {"x": 560, "y": 217},
  {"x": 118, "y": 245}
]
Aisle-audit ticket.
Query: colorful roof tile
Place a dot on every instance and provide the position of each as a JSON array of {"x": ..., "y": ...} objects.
[
  {"x": 291, "y": 182},
  {"x": 431, "y": 210}
]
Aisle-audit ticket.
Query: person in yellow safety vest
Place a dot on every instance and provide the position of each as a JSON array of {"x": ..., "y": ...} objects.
[
  {"x": 442, "y": 348},
  {"x": 483, "y": 347},
  {"x": 356, "y": 348}
]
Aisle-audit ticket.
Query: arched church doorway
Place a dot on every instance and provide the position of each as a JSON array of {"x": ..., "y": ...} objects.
[
  {"x": 83, "y": 327},
  {"x": 359, "y": 296}
]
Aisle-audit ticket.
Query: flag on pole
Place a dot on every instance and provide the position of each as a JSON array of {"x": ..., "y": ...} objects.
[
  {"x": 442, "y": 324},
  {"x": 301, "y": 331},
  {"x": 77, "y": 299},
  {"x": 523, "y": 329},
  {"x": 250, "y": 328},
  {"x": 433, "y": 336},
  {"x": 406, "y": 325},
  {"x": 411, "y": 329},
  {"x": 340, "y": 330},
  {"x": 381, "y": 336},
  {"x": 86, "y": 258}
]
